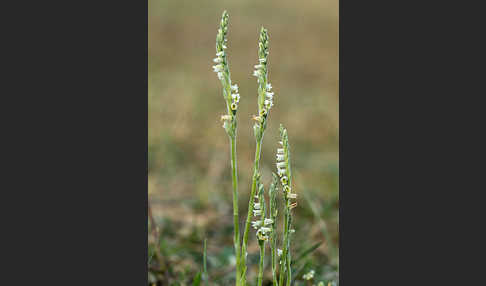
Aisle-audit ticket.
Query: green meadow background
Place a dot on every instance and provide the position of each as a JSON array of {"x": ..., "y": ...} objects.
[{"x": 189, "y": 161}]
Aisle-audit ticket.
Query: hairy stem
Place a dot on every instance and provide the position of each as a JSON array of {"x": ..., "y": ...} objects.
[
  {"x": 274, "y": 256},
  {"x": 234, "y": 175},
  {"x": 260, "y": 266},
  {"x": 250, "y": 203},
  {"x": 285, "y": 244}
]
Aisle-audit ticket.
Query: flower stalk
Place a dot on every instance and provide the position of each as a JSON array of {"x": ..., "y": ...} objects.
[
  {"x": 285, "y": 173},
  {"x": 265, "y": 103},
  {"x": 232, "y": 98}
]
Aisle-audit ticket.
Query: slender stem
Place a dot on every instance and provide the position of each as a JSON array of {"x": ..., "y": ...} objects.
[
  {"x": 274, "y": 258},
  {"x": 288, "y": 259},
  {"x": 205, "y": 269},
  {"x": 250, "y": 203},
  {"x": 260, "y": 266},
  {"x": 284, "y": 251},
  {"x": 234, "y": 176}
]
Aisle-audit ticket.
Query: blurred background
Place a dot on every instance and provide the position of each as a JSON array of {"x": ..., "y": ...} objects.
[{"x": 189, "y": 161}]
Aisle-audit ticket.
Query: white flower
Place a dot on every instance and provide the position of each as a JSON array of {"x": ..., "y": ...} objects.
[
  {"x": 258, "y": 66},
  {"x": 219, "y": 54},
  {"x": 256, "y": 73},
  {"x": 291, "y": 196},
  {"x": 279, "y": 251},
  {"x": 257, "y": 212},
  {"x": 225, "y": 117},
  {"x": 218, "y": 68},
  {"x": 309, "y": 275},
  {"x": 220, "y": 75},
  {"x": 270, "y": 94},
  {"x": 280, "y": 165},
  {"x": 268, "y": 102},
  {"x": 262, "y": 60},
  {"x": 280, "y": 157},
  {"x": 256, "y": 224},
  {"x": 281, "y": 143},
  {"x": 268, "y": 221},
  {"x": 236, "y": 96},
  {"x": 218, "y": 60},
  {"x": 281, "y": 172},
  {"x": 265, "y": 229},
  {"x": 269, "y": 86},
  {"x": 257, "y": 206},
  {"x": 280, "y": 150},
  {"x": 292, "y": 231},
  {"x": 224, "y": 46},
  {"x": 234, "y": 87}
]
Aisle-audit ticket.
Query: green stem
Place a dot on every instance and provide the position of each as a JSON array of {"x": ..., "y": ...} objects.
[
  {"x": 285, "y": 257},
  {"x": 250, "y": 204},
  {"x": 288, "y": 259},
  {"x": 260, "y": 266},
  {"x": 234, "y": 176}
]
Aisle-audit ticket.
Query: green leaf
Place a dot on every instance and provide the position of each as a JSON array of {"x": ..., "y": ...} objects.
[
  {"x": 197, "y": 279},
  {"x": 306, "y": 252}
]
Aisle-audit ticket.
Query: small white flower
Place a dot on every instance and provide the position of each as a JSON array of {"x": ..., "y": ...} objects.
[
  {"x": 309, "y": 275},
  {"x": 219, "y": 54},
  {"x": 234, "y": 87},
  {"x": 292, "y": 231},
  {"x": 224, "y": 46},
  {"x": 232, "y": 260},
  {"x": 291, "y": 196},
  {"x": 257, "y": 212},
  {"x": 256, "y": 224},
  {"x": 236, "y": 96},
  {"x": 281, "y": 172},
  {"x": 270, "y": 94},
  {"x": 280, "y": 165},
  {"x": 225, "y": 117},
  {"x": 280, "y": 150},
  {"x": 269, "y": 86},
  {"x": 258, "y": 66},
  {"x": 281, "y": 143},
  {"x": 268, "y": 102},
  {"x": 280, "y": 157},
  {"x": 257, "y": 206},
  {"x": 265, "y": 229},
  {"x": 218, "y": 60},
  {"x": 279, "y": 251},
  {"x": 262, "y": 60},
  {"x": 220, "y": 75},
  {"x": 218, "y": 68},
  {"x": 256, "y": 73},
  {"x": 268, "y": 221}
]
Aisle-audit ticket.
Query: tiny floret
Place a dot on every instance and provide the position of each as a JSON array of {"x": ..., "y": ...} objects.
[
  {"x": 280, "y": 164},
  {"x": 291, "y": 196},
  {"x": 309, "y": 275}
]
